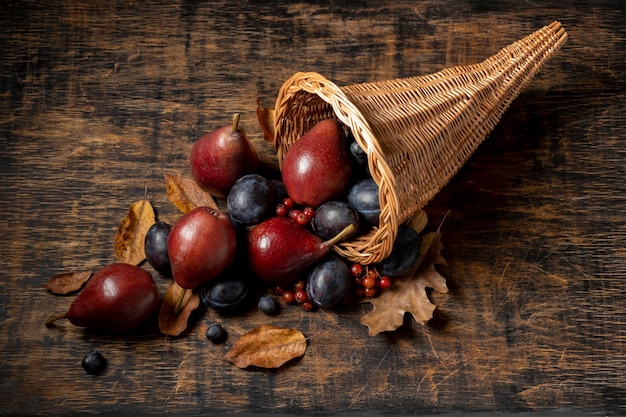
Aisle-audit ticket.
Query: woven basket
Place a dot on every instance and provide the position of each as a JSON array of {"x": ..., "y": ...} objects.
[{"x": 417, "y": 132}]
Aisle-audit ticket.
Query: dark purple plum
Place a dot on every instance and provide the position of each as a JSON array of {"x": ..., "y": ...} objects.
[
  {"x": 156, "y": 248},
  {"x": 332, "y": 217},
  {"x": 405, "y": 252},
  {"x": 359, "y": 159},
  {"x": 280, "y": 192},
  {"x": 225, "y": 295},
  {"x": 328, "y": 282},
  {"x": 363, "y": 196},
  {"x": 251, "y": 200}
]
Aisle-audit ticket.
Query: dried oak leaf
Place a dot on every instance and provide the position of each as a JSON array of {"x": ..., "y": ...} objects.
[
  {"x": 186, "y": 194},
  {"x": 173, "y": 324},
  {"x": 266, "y": 120},
  {"x": 267, "y": 346},
  {"x": 409, "y": 295},
  {"x": 130, "y": 236},
  {"x": 67, "y": 282}
]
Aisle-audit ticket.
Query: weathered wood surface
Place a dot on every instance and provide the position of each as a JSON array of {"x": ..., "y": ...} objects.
[{"x": 99, "y": 99}]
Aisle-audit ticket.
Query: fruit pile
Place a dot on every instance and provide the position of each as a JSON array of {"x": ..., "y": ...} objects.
[
  {"x": 285, "y": 228},
  {"x": 273, "y": 239}
]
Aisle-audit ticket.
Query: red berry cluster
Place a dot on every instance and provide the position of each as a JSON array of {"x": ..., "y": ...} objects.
[
  {"x": 302, "y": 216},
  {"x": 296, "y": 294},
  {"x": 367, "y": 281}
]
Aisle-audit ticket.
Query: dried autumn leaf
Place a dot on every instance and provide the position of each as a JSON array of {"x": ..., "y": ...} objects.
[
  {"x": 266, "y": 120},
  {"x": 130, "y": 236},
  {"x": 186, "y": 194},
  {"x": 173, "y": 324},
  {"x": 68, "y": 282},
  {"x": 267, "y": 347},
  {"x": 409, "y": 294}
]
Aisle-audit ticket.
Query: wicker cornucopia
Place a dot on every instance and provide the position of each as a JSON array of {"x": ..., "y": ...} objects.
[{"x": 417, "y": 132}]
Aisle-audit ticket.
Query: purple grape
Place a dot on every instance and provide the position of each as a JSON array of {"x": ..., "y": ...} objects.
[
  {"x": 216, "y": 334},
  {"x": 94, "y": 363},
  {"x": 268, "y": 305}
]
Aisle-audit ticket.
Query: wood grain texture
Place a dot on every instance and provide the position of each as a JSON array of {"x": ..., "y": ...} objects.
[{"x": 99, "y": 99}]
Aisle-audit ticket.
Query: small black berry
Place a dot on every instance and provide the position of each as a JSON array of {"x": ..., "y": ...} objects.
[
  {"x": 216, "y": 334},
  {"x": 268, "y": 305},
  {"x": 94, "y": 362}
]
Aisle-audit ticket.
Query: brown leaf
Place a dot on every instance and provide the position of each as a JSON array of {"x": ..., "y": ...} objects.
[
  {"x": 130, "y": 236},
  {"x": 408, "y": 295},
  {"x": 267, "y": 347},
  {"x": 266, "y": 120},
  {"x": 174, "y": 324},
  {"x": 68, "y": 282},
  {"x": 186, "y": 194}
]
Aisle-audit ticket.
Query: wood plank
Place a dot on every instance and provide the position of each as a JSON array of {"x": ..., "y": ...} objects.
[{"x": 100, "y": 99}]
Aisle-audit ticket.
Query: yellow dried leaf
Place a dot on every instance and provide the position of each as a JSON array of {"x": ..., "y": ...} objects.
[
  {"x": 130, "y": 236},
  {"x": 68, "y": 282},
  {"x": 186, "y": 194},
  {"x": 173, "y": 324},
  {"x": 266, "y": 120},
  {"x": 409, "y": 295},
  {"x": 267, "y": 347}
]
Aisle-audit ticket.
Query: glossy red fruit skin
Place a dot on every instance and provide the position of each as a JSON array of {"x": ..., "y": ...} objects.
[
  {"x": 318, "y": 168},
  {"x": 201, "y": 245},
  {"x": 279, "y": 250},
  {"x": 220, "y": 158},
  {"x": 119, "y": 297}
]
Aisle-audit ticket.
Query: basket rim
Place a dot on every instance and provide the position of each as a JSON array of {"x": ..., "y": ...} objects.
[{"x": 346, "y": 112}]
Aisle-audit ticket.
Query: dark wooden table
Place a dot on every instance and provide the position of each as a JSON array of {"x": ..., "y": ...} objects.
[{"x": 99, "y": 99}]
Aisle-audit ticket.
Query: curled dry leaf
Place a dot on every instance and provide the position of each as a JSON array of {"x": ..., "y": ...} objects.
[
  {"x": 68, "y": 282},
  {"x": 173, "y": 324},
  {"x": 266, "y": 120},
  {"x": 186, "y": 194},
  {"x": 130, "y": 236},
  {"x": 409, "y": 295},
  {"x": 267, "y": 347}
]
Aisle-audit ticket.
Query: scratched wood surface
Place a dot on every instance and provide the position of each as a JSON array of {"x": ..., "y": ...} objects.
[{"x": 99, "y": 99}]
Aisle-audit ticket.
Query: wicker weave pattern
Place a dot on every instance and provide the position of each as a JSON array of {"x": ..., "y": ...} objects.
[{"x": 417, "y": 132}]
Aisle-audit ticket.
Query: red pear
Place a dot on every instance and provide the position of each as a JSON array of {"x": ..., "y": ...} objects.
[
  {"x": 119, "y": 297},
  {"x": 318, "y": 168},
  {"x": 279, "y": 249},
  {"x": 220, "y": 158},
  {"x": 201, "y": 245}
]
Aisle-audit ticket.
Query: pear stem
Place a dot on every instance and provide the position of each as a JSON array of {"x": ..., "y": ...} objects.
[
  {"x": 236, "y": 117},
  {"x": 347, "y": 231},
  {"x": 179, "y": 302},
  {"x": 54, "y": 318}
]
